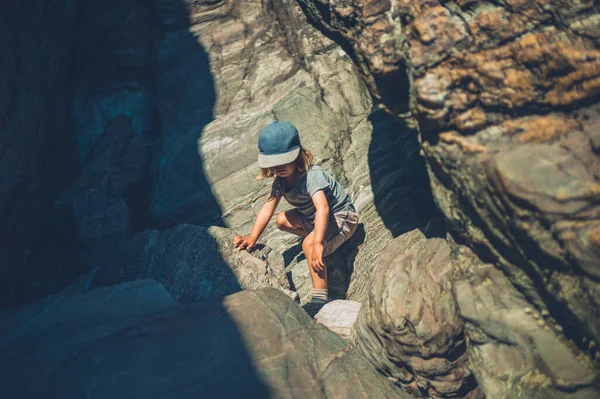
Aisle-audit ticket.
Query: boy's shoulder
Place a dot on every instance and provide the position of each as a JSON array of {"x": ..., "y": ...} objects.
[{"x": 315, "y": 169}]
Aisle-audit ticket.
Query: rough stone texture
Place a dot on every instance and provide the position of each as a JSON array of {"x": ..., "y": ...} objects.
[
  {"x": 194, "y": 263},
  {"x": 33, "y": 131},
  {"x": 127, "y": 60},
  {"x": 410, "y": 327},
  {"x": 516, "y": 351},
  {"x": 268, "y": 63},
  {"x": 134, "y": 340},
  {"x": 339, "y": 316},
  {"x": 505, "y": 96},
  {"x": 149, "y": 76}
]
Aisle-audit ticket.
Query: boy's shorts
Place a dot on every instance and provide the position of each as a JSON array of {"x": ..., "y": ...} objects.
[{"x": 340, "y": 228}]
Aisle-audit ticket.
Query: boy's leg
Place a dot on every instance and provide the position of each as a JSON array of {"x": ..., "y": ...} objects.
[
  {"x": 319, "y": 292},
  {"x": 319, "y": 279},
  {"x": 290, "y": 221}
]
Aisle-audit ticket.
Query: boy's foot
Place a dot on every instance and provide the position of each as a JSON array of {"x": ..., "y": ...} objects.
[{"x": 314, "y": 305}]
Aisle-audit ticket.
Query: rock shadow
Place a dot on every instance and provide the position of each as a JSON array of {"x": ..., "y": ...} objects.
[
  {"x": 185, "y": 99},
  {"x": 343, "y": 264},
  {"x": 125, "y": 341},
  {"x": 399, "y": 179},
  {"x": 141, "y": 94}
]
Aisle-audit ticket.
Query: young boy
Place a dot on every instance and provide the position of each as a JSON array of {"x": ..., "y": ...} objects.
[{"x": 323, "y": 212}]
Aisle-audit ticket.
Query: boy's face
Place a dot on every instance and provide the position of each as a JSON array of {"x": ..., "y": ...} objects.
[{"x": 283, "y": 170}]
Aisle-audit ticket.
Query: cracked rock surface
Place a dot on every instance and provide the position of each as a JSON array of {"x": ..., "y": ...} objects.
[
  {"x": 505, "y": 96},
  {"x": 269, "y": 63},
  {"x": 410, "y": 326}
]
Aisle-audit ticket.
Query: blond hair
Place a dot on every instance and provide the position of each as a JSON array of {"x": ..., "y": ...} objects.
[{"x": 303, "y": 162}]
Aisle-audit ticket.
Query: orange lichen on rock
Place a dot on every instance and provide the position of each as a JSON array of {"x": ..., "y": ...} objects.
[
  {"x": 577, "y": 86},
  {"x": 546, "y": 68},
  {"x": 464, "y": 144},
  {"x": 541, "y": 128},
  {"x": 436, "y": 32},
  {"x": 593, "y": 190},
  {"x": 474, "y": 118}
]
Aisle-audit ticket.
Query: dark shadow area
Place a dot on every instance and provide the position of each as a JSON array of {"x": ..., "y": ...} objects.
[
  {"x": 138, "y": 95},
  {"x": 394, "y": 89},
  {"x": 128, "y": 93},
  {"x": 125, "y": 341},
  {"x": 342, "y": 262},
  {"x": 36, "y": 46},
  {"x": 185, "y": 98},
  {"x": 399, "y": 179}
]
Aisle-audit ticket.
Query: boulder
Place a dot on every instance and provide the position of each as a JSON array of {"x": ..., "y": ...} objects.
[
  {"x": 516, "y": 351},
  {"x": 339, "y": 316},
  {"x": 410, "y": 327},
  {"x": 505, "y": 100},
  {"x": 133, "y": 339},
  {"x": 194, "y": 263}
]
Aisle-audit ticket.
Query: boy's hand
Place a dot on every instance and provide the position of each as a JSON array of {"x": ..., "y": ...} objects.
[
  {"x": 244, "y": 242},
  {"x": 316, "y": 261}
]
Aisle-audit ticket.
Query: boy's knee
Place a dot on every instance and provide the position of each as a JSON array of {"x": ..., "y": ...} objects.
[
  {"x": 281, "y": 221},
  {"x": 307, "y": 242}
]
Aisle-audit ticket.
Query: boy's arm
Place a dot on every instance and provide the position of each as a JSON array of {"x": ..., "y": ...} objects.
[
  {"x": 262, "y": 219},
  {"x": 264, "y": 215},
  {"x": 321, "y": 221}
]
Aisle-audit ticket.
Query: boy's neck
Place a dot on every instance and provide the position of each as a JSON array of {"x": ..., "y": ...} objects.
[{"x": 291, "y": 179}]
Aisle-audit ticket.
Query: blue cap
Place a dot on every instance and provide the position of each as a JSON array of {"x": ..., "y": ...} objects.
[{"x": 278, "y": 144}]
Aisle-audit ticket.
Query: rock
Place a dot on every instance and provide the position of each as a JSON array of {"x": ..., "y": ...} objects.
[
  {"x": 339, "y": 316},
  {"x": 193, "y": 263},
  {"x": 511, "y": 352},
  {"x": 104, "y": 206},
  {"x": 268, "y": 63},
  {"x": 133, "y": 339},
  {"x": 508, "y": 137},
  {"x": 410, "y": 327}
]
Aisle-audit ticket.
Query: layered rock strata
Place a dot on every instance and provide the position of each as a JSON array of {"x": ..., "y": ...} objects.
[
  {"x": 410, "y": 327},
  {"x": 269, "y": 64},
  {"x": 506, "y": 101}
]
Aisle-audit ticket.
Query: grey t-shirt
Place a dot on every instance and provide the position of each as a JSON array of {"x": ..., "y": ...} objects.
[{"x": 300, "y": 194}]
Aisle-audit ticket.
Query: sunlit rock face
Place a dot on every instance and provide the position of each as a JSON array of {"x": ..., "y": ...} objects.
[
  {"x": 410, "y": 327},
  {"x": 506, "y": 100},
  {"x": 268, "y": 63}
]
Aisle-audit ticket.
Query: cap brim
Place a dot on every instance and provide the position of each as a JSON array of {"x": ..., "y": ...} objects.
[{"x": 268, "y": 161}]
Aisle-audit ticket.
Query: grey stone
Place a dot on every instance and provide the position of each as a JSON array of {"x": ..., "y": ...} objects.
[
  {"x": 508, "y": 137},
  {"x": 133, "y": 339},
  {"x": 339, "y": 316},
  {"x": 514, "y": 354},
  {"x": 410, "y": 327},
  {"x": 193, "y": 263}
]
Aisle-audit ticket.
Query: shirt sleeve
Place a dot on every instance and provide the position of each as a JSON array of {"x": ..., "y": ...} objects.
[
  {"x": 276, "y": 189},
  {"x": 316, "y": 180}
]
